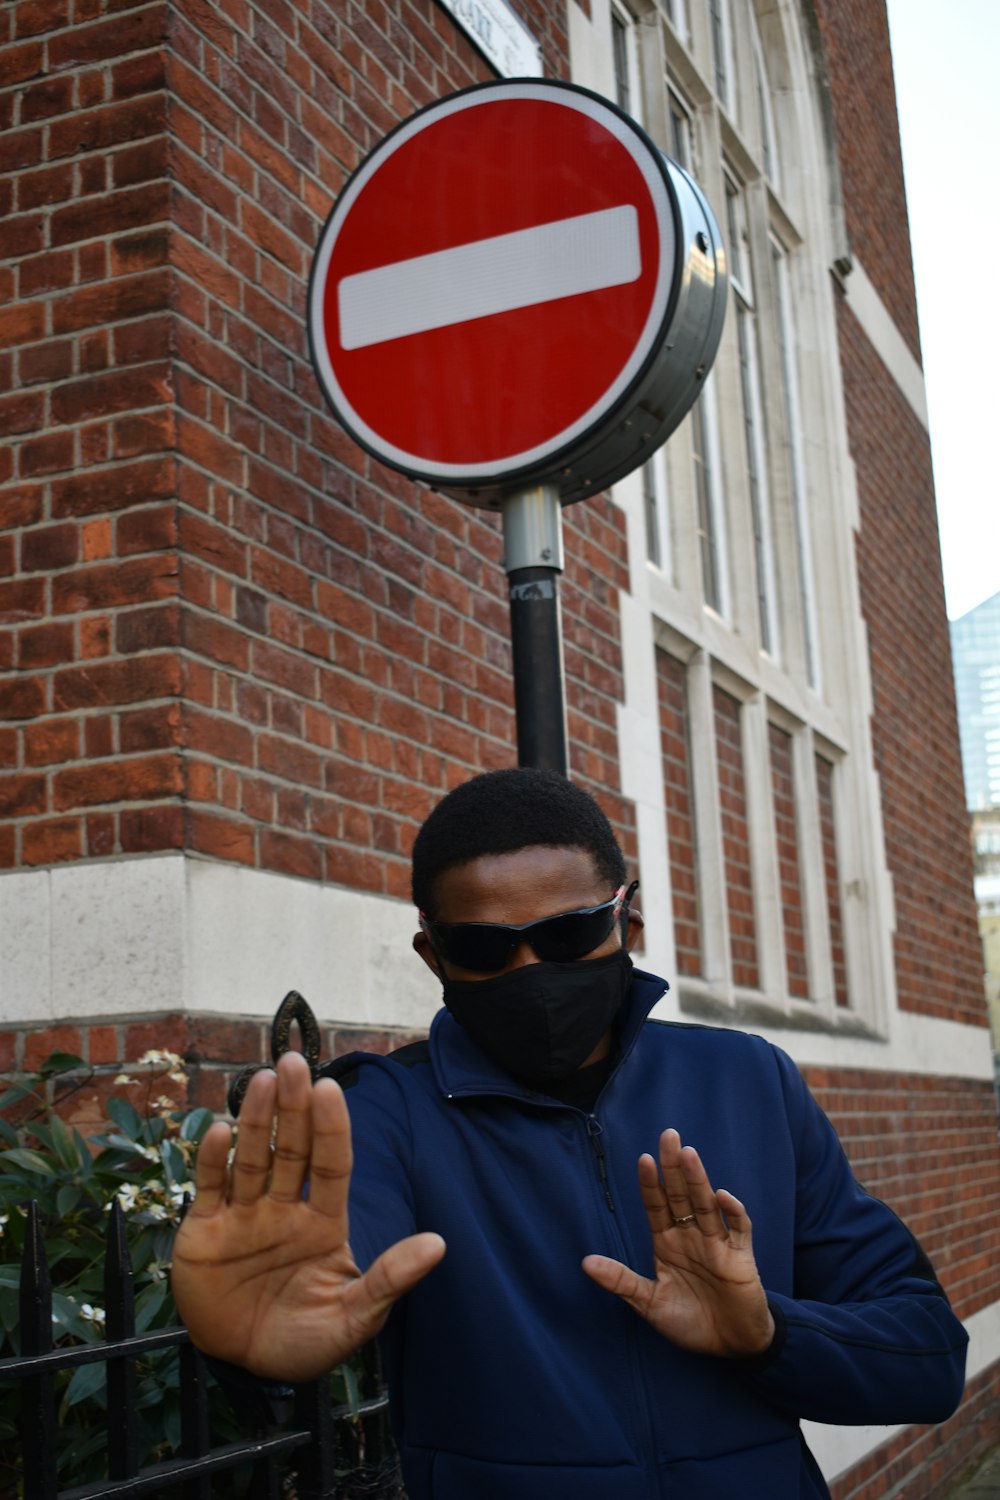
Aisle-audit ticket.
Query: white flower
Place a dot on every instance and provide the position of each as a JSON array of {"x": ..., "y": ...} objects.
[
  {"x": 178, "y": 1191},
  {"x": 127, "y": 1195},
  {"x": 92, "y": 1314},
  {"x": 158, "y": 1269},
  {"x": 156, "y": 1210},
  {"x": 156, "y": 1056}
]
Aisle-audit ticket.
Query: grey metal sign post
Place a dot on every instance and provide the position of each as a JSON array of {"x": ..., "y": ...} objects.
[{"x": 516, "y": 299}]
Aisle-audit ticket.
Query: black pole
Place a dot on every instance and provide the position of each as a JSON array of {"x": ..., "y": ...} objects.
[
  {"x": 532, "y": 521},
  {"x": 536, "y": 640}
]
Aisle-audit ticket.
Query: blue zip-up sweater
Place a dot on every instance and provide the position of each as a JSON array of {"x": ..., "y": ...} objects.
[{"x": 512, "y": 1376}]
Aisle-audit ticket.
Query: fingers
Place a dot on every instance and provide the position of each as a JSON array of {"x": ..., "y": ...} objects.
[
  {"x": 252, "y": 1162},
  {"x": 687, "y": 1188},
  {"x": 736, "y": 1217},
  {"x": 367, "y": 1301},
  {"x": 620, "y": 1279},
  {"x": 211, "y": 1173},
  {"x": 332, "y": 1157},
  {"x": 289, "y": 1161}
]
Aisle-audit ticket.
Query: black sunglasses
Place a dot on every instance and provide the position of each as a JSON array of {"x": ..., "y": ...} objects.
[{"x": 485, "y": 947}]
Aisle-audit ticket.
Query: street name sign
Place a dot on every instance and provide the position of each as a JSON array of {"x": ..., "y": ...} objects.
[{"x": 516, "y": 287}]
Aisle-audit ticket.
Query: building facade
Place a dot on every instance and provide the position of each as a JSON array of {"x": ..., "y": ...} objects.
[
  {"x": 975, "y": 647},
  {"x": 241, "y": 660}
]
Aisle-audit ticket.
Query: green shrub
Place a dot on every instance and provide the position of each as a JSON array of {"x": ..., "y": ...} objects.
[{"x": 145, "y": 1160}]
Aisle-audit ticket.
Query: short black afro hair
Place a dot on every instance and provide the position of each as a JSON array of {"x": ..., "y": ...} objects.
[{"x": 500, "y": 812}]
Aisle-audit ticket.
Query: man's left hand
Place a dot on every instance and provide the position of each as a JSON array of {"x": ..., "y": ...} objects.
[{"x": 707, "y": 1295}]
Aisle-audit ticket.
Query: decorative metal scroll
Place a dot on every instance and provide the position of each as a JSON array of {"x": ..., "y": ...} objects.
[{"x": 293, "y": 1010}]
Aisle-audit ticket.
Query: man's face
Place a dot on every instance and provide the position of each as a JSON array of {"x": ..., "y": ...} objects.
[{"x": 538, "y": 881}]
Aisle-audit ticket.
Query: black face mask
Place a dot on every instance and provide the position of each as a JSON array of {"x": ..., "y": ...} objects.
[{"x": 542, "y": 1021}]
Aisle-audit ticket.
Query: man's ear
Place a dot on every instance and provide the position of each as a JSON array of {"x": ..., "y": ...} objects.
[
  {"x": 422, "y": 945},
  {"x": 635, "y": 926}
]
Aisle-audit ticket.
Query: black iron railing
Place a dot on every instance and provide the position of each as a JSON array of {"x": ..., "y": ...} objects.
[
  {"x": 310, "y": 1445},
  {"x": 306, "y": 1448}
]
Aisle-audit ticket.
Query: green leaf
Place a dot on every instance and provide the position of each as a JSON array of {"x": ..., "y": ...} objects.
[
  {"x": 126, "y": 1117},
  {"x": 87, "y": 1381},
  {"x": 8, "y": 1133},
  {"x": 66, "y": 1199},
  {"x": 172, "y": 1425},
  {"x": 64, "y": 1145},
  {"x": 10, "y": 1310},
  {"x": 83, "y": 1154},
  {"x": 174, "y": 1165},
  {"x": 28, "y": 1161},
  {"x": 41, "y": 1132},
  {"x": 194, "y": 1125},
  {"x": 61, "y": 1062},
  {"x": 10, "y": 1276},
  {"x": 66, "y": 1314},
  {"x": 351, "y": 1391},
  {"x": 148, "y": 1304},
  {"x": 15, "y": 1094}
]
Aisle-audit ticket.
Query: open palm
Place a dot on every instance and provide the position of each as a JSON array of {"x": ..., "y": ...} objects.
[
  {"x": 706, "y": 1294},
  {"x": 262, "y": 1276}
]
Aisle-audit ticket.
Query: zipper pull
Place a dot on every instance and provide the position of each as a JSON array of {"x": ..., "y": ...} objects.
[{"x": 595, "y": 1130}]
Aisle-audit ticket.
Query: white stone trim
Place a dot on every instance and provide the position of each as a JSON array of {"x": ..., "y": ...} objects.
[
  {"x": 173, "y": 932},
  {"x": 887, "y": 341},
  {"x": 176, "y": 933}
]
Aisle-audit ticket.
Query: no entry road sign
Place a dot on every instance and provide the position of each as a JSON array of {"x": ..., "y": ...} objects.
[{"x": 499, "y": 285}]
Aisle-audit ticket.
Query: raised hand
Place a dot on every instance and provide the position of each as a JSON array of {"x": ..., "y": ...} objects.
[
  {"x": 706, "y": 1295},
  {"x": 263, "y": 1277}
]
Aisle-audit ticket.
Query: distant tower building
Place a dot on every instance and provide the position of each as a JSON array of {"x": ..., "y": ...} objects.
[{"x": 975, "y": 645}]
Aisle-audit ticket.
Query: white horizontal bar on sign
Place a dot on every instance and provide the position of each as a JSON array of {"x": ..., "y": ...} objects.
[{"x": 563, "y": 259}]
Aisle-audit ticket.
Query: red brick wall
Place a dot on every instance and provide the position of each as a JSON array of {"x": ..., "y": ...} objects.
[
  {"x": 212, "y": 1049},
  {"x": 855, "y": 39},
  {"x": 735, "y": 839},
  {"x": 928, "y": 1461},
  {"x": 928, "y": 1147},
  {"x": 680, "y": 826},
  {"x": 222, "y": 627},
  {"x": 789, "y": 870},
  {"x": 938, "y": 953},
  {"x": 831, "y": 872}
]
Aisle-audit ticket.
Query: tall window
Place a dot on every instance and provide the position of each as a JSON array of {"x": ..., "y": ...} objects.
[
  {"x": 768, "y": 134},
  {"x": 626, "y": 62},
  {"x": 704, "y": 454},
  {"x": 722, "y": 54},
  {"x": 681, "y": 134},
  {"x": 677, "y": 13},
  {"x": 656, "y": 509},
  {"x": 796, "y": 459},
  {"x": 740, "y": 277}
]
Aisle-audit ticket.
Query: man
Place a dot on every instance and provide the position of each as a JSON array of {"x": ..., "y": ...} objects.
[{"x": 517, "y": 1364}]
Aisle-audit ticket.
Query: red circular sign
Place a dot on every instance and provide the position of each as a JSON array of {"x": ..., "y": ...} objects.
[{"x": 492, "y": 281}]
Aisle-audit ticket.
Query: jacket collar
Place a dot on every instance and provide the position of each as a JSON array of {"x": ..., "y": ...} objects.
[{"x": 463, "y": 1069}]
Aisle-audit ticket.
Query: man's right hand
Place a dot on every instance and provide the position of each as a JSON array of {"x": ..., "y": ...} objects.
[{"x": 263, "y": 1277}]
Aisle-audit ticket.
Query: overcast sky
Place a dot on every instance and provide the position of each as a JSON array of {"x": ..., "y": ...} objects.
[{"x": 946, "y": 59}]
